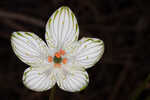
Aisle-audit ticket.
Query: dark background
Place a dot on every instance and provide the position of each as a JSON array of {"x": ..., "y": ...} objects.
[{"x": 123, "y": 25}]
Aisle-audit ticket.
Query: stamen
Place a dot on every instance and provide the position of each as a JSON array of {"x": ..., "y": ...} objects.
[
  {"x": 57, "y": 54},
  {"x": 57, "y": 59},
  {"x": 64, "y": 61},
  {"x": 57, "y": 65},
  {"x": 62, "y": 52},
  {"x": 50, "y": 58}
]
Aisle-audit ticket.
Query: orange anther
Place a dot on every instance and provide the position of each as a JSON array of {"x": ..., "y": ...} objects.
[
  {"x": 50, "y": 59},
  {"x": 64, "y": 61},
  {"x": 62, "y": 52},
  {"x": 57, "y": 54},
  {"x": 57, "y": 65}
]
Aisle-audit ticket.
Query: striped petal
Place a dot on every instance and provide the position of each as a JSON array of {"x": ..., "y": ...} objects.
[
  {"x": 62, "y": 28},
  {"x": 89, "y": 52},
  {"x": 73, "y": 79},
  {"x": 29, "y": 48},
  {"x": 38, "y": 79}
]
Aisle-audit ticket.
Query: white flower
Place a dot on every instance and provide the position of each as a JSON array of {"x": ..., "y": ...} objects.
[{"x": 62, "y": 60}]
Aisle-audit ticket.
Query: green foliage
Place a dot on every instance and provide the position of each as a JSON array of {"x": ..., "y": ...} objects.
[{"x": 140, "y": 89}]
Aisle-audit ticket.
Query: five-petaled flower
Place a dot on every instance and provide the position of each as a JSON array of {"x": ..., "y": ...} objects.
[{"x": 62, "y": 60}]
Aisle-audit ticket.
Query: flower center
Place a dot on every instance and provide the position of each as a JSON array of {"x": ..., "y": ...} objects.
[{"x": 58, "y": 58}]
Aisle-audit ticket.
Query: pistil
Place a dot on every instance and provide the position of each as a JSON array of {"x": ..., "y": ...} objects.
[{"x": 58, "y": 58}]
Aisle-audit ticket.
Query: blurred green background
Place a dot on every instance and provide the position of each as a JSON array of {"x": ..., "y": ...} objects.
[{"x": 123, "y": 25}]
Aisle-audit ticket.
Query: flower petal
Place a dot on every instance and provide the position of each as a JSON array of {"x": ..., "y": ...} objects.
[
  {"x": 62, "y": 28},
  {"x": 73, "y": 79},
  {"x": 38, "y": 79},
  {"x": 89, "y": 52},
  {"x": 29, "y": 48}
]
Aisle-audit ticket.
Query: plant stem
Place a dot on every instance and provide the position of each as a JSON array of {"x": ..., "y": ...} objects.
[{"x": 52, "y": 93}]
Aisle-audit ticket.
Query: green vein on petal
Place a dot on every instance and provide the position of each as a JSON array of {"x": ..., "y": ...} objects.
[
  {"x": 89, "y": 39},
  {"x": 25, "y": 74},
  {"x": 61, "y": 10},
  {"x": 13, "y": 35},
  {"x": 29, "y": 34},
  {"x": 20, "y": 34},
  {"x": 56, "y": 14},
  {"x": 76, "y": 38},
  {"x": 68, "y": 11},
  {"x": 72, "y": 18},
  {"x": 82, "y": 88},
  {"x": 76, "y": 27},
  {"x": 86, "y": 76},
  {"x": 49, "y": 38},
  {"x": 49, "y": 22}
]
